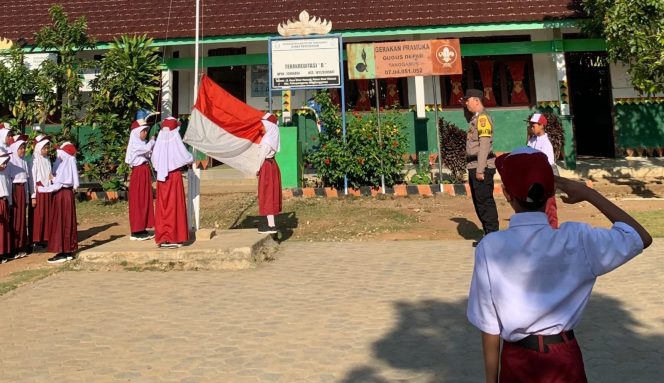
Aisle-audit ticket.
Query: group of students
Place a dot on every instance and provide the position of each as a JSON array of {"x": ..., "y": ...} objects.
[
  {"x": 167, "y": 154},
  {"x": 37, "y": 202}
]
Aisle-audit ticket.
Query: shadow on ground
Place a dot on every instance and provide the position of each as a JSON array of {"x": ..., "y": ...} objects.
[
  {"x": 467, "y": 229},
  {"x": 434, "y": 343},
  {"x": 91, "y": 232},
  {"x": 285, "y": 222}
]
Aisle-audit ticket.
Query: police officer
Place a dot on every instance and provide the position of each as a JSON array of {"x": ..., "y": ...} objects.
[{"x": 480, "y": 160}]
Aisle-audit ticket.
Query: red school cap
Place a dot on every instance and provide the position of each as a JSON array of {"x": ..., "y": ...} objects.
[{"x": 522, "y": 169}]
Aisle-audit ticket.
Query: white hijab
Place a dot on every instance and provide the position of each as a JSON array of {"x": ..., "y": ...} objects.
[
  {"x": 135, "y": 145},
  {"x": 41, "y": 166},
  {"x": 4, "y": 131},
  {"x": 67, "y": 170},
  {"x": 5, "y": 182},
  {"x": 18, "y": 167},
  {"x": 169, "y": 152},
  {"x": 271, "y": 137}
]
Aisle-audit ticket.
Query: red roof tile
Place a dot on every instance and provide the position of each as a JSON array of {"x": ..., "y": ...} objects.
[{"x": 110, "y": 18}]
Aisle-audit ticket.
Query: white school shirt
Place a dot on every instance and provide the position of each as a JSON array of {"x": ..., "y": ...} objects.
[
  {"x": 533, "y": 280},
  {"x": 543, "y": 144}
]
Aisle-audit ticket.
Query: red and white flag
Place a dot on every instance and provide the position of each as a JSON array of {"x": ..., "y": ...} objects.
[{"x": 226, "y": 128}]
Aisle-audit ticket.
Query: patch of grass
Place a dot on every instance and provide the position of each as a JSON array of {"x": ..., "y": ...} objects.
[
  {"x": 652, "y": 220},
  {"x": 21, "y": 278},
  {"x": 331, "y": 220},
  {"x": 101, "y": 210}
]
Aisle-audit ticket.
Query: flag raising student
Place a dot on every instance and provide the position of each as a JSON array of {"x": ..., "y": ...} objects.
[
  {"x": 41, "y": 202},
  {"x": 169, "y": 155},
  {"x": 62, "y": 235},
  {"x": 141, "y": 205},
  {"x": 21, "y": 185},
  {"x": 5, "y": 205},
  {"x": 269, "y": 176}
]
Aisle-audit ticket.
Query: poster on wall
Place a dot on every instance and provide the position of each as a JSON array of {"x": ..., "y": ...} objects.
[
  {"x": 305, "y": 62},
  {"x": 259, "y": 81},
  {"x": 404, "y": 59}
]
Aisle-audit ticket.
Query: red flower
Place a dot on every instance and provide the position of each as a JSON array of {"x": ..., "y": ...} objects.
[
  {"x": 327, "y": 161},
  {"x": 395, "y": 144},
  {"x": 360, "y": 161}
]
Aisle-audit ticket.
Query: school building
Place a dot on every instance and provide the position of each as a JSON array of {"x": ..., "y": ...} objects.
[{"x": 526, "y": 55}]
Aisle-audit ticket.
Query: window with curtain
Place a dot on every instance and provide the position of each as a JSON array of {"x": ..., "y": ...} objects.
[{"x": 505, "y": 81}]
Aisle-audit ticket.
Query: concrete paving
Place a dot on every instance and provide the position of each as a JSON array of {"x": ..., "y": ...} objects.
[
  {"x": 374, "y": 312},
  {"x": 227, "y": 250}
]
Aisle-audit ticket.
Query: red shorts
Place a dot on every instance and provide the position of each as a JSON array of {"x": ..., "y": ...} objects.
[{"x": 562, "y": 363}]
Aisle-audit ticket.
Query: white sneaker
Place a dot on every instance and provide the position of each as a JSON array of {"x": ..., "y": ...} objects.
[{"x": 167, "y": 245}]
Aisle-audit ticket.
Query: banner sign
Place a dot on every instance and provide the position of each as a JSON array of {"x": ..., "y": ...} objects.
[
  {"x": 305, "y": 62},
  {"x": 404, "y": 59}
]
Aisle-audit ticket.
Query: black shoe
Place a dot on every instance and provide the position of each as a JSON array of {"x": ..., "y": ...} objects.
[
  {"x": 141, "y": 236},
  {"x": 268, "y": 230},
  {"x": 59, "y": 258},
  {"x": 20, "y": 254}
]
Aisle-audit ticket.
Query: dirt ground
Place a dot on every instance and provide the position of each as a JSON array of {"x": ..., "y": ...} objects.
[{"x": 346, "y": 219}]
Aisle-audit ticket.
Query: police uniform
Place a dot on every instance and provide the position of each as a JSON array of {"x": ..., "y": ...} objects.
[{"x": 480, "y": 159}]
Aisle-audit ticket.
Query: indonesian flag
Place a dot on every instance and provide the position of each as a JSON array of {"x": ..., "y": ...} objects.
[{"x": 226, "y": 128}]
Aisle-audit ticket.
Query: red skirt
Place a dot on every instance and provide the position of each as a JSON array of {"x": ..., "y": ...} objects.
[
  {"x": 19, "y": 217},
  {"x": 40, "y": 217},
  {"x": 269, "y": 188},
  {"x": 562, "y": 364},
  {"x": 171, "y": 210},
  {"x": 63, "y": 230},
  {"x": 141, "y": 204},
  {"x": 5, "y": 227}
]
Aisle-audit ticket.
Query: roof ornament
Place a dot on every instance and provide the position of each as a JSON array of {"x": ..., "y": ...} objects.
[
  {"x": 5, "y": 43},
  {"x": 306, "y": 25}
]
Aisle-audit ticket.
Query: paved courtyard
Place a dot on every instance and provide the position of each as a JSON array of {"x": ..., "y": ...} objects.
[{"x": 373, "y": 312}]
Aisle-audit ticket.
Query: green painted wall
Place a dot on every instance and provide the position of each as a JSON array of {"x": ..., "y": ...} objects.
[
  {"x": 289, "y": 157},
  {"x": 639, "y": 125}
]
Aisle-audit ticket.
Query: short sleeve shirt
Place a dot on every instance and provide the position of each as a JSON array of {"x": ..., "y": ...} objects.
[{"x": 533, "y": 280}]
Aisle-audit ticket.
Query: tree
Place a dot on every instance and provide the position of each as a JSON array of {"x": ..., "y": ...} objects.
[
  {"x": 27, "y": 94},
  {"x": 128, "y": 81},
  {"x": 67, "y": 39},
  {"x": 634, "y": 33}
]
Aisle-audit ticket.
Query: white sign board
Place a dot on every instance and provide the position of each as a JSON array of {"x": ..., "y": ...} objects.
[
  {"x": 305, "y": 62},
  {"x": 34, "y": 60}
]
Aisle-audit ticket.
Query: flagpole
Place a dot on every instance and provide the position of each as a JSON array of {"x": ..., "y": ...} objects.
[{"x": 194, "y": 173}]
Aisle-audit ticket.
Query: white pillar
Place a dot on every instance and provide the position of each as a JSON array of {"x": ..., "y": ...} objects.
[
  {"x": 419, "y": 96},
  {"x": 563, "y": 88},
  {"x": 166, "y": 93}
]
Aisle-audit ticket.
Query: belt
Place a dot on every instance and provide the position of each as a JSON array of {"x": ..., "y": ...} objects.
[
  {"x": 540, "y": 342},
  {"x": 474, "y": 158}
]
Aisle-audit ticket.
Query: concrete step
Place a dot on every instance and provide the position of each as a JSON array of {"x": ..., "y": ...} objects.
[{"x": 227, "y": 250}]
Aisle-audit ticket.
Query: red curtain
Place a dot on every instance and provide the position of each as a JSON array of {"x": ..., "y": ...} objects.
[
  {"x": 392, "y": 96},
  {"x": 457, "y": 91},
  {"x": 486, "y": 72},
  {"x": 519, "y": 95},
  {"x": 363, "y": 100}
]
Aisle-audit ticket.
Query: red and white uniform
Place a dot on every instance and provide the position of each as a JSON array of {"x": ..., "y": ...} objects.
[
  {"x": 5, "y": 207},
  {"x": 168, "y": 156},
  {"x": 269, "y": 175},
  {"x": 63, "y": 229},
  {"x": 41, "y": 176},
  {"x": 21, "y": 191},
  {"x": 141, "y": 201}
]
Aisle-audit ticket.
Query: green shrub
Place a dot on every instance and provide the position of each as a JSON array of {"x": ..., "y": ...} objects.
[{"x": 359, "y": 157}]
